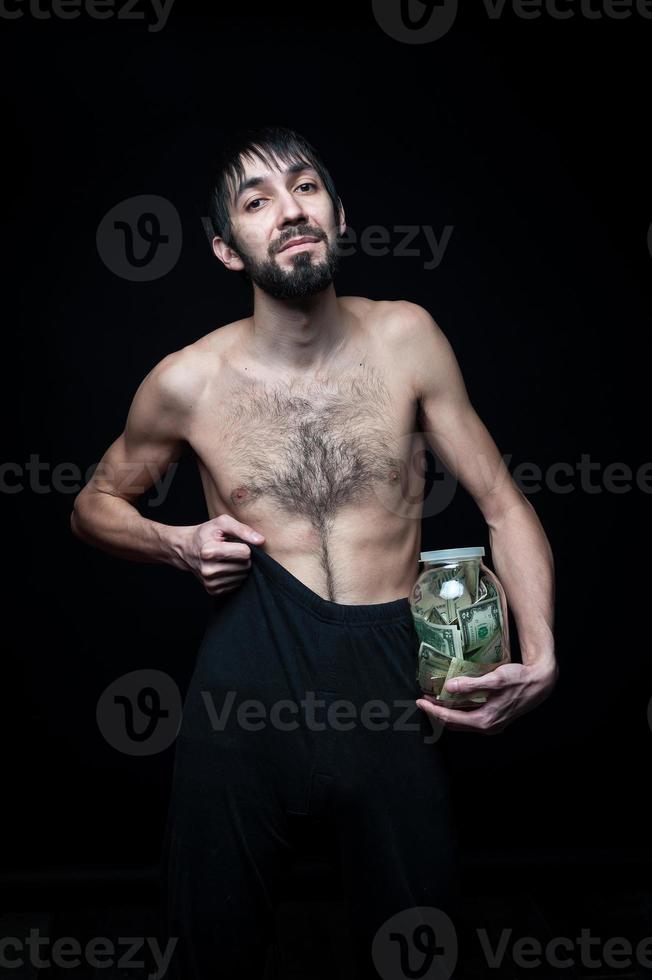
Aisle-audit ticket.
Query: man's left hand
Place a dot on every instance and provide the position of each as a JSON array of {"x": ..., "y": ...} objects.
[{"x": 511, "y": 689}]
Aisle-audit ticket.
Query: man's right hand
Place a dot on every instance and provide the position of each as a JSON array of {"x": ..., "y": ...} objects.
[{"x": 220, "y": 563}]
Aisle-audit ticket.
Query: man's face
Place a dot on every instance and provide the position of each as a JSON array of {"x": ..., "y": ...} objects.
[{"x": 274, "y": 208}]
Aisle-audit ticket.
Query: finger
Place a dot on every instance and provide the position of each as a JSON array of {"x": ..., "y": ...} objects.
[
  {"x": 466, "y": 705},
  {"x": 222, "y": 575},
  {"x": 229, "y": 524},
  {"x": 464, "y": 685},
  {"x": 450, "y": 717},
  {"x": 225, "y": 551},
  {"x": 233, "y": 567},
  {"x": 218, "y": 586}
]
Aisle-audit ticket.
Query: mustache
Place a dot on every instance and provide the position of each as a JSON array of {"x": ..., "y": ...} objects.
[{"x": 305, "y": 232}]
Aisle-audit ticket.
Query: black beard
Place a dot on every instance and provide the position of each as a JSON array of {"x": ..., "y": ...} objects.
[{"x": 305, "y": 278}]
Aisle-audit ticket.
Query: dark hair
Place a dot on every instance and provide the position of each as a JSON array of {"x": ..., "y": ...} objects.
[{"x": 270, "y": 144}]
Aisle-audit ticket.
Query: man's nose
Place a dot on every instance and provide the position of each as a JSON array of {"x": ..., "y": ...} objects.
[{"x": 291, "y": 211}]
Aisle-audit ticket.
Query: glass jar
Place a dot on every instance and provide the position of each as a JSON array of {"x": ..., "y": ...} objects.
[{"x": 459, "y": 610}]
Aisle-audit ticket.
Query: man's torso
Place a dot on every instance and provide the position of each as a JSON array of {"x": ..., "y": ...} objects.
[{"x": 330, "y": 468}]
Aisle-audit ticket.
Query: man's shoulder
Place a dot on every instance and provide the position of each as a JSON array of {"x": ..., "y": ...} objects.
[
  {"x": 387, "y": 310},
  {"x": 397, "y": 313},
  {"x": 413, "y": 339},
  {"x": 184, "y": 372},
  {"x": 399, "y": 323},
  {"x": 404, "y": 314},
  {"x": 179, "y": 377}
]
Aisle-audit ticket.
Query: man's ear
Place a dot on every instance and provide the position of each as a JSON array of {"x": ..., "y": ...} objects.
[
  {"x": 227, "y": 255},
  {"x": 342, "y": 217}
]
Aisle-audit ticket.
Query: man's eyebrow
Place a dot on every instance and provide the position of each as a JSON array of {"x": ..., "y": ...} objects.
[{"x": 294, "y": 168}]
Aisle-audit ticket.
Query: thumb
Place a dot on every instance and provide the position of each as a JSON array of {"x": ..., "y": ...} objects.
[
  {"x": 229, "y": 525},
  {"x": 469, "y": 682}
]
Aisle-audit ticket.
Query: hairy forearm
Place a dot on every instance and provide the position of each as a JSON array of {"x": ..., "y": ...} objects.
[
  {"x": 523, "y": 561},
  {"x": 114, "y": 525}
]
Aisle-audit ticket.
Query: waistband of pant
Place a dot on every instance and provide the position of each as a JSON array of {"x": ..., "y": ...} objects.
[{"x": 396, "y": 610}]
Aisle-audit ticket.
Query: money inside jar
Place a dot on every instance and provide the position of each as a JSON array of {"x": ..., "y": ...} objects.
[{"x": 458, "y": 617}]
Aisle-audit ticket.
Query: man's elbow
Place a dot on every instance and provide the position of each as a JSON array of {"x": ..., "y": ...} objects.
[
  {"x": 499, "y": 503},
  {"x": 77, "y": 515},
  {"x": 74, "y": 520}
]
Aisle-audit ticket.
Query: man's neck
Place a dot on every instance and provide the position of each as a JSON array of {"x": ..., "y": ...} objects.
[{"x": 300, "y": 335}]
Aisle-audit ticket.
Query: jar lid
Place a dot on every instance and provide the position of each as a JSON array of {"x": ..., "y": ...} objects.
[{"x": 451, "y": 554}]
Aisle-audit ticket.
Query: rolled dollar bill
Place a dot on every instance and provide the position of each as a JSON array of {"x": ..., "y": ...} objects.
[
  {"x": 490, "y": 590},
  {"x": 490, "y": 653},
  {"x": 434, "y": 617},
  {"x": 479, "y": 623},
  {"x": 432, "y": 669},
  {"x": 424, "y": 602},
  {"x": 446, "y": 640}
]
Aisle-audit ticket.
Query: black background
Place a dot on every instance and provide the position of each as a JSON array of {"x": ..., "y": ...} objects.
[{"x": 529, "y": 137}]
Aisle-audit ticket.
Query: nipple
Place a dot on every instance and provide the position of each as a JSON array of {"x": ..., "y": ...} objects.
[{"x": 239, "y": 495}]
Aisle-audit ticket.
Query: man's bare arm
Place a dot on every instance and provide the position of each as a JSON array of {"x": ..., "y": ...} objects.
[
  {"x": 520, "y": 550},
  {"x": 154, "y": 438},
  {"x": 104, "y": 514}
]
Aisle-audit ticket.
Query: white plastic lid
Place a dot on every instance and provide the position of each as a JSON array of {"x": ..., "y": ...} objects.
[{"x": 452, "y": 554}]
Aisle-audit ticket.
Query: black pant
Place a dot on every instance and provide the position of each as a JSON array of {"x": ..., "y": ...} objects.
[{"x": 369, "y": 781}]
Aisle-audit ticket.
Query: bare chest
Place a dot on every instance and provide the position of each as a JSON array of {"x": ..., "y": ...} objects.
[{"x": 307, "y": 451}]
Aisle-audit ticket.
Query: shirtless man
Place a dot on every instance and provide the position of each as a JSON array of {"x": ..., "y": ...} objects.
[{"x": 308, "y": 421}]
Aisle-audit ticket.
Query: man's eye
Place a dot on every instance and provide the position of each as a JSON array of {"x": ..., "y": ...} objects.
[{"x": 256, "y": 200}]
